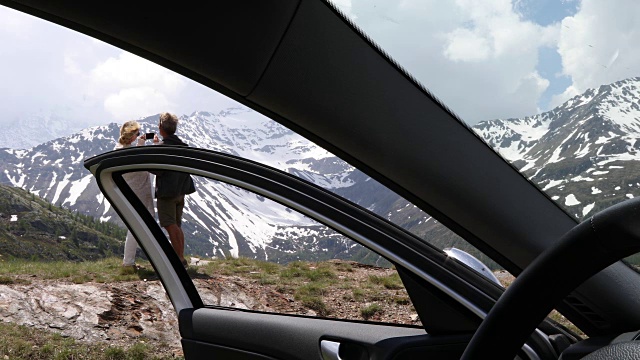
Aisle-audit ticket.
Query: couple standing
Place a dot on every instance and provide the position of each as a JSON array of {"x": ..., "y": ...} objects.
[{"x": 170, "y": 189}]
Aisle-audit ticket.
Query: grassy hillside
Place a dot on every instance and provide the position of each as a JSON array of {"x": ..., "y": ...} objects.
[{"x": 32, "y": 228}]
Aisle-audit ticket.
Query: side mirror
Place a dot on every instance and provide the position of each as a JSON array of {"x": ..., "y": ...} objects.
[{"x": 472, "y": 262}]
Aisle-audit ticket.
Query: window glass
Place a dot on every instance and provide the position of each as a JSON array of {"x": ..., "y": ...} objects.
[
  {"x": 552, "y": 86},
  {"x": 267, "y": 257},
  {"x": 74, "y": 103}
]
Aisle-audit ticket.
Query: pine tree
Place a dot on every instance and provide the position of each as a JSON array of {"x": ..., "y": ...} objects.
[{"x": 74, "y": 237}]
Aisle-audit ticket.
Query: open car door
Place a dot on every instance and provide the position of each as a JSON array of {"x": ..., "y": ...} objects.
[{"x": 450, "y": 298}]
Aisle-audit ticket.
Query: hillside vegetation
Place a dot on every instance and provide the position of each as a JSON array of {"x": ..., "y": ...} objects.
[{"x": 32, "y": 228}]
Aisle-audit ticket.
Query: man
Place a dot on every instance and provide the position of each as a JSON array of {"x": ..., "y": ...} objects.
[{"x": 171, "y": 187}]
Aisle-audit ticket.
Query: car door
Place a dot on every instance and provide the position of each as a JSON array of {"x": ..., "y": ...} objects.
[{"x": 449, "y": 297}]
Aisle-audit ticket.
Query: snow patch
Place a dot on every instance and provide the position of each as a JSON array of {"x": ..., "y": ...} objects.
[
  {"x": 580, "y": 178},
  {"x": 570, "y": 200},
  {"x": 552, "y": 183},
  {"x": 587, "y": 209},
  {"x": 77, "y": 188}
]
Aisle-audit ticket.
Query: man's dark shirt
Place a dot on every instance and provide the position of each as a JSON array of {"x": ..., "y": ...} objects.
[{"x": 173, "y": 183}]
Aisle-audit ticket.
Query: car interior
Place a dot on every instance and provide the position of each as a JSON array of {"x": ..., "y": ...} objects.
[{"x": 305, "y": 65}]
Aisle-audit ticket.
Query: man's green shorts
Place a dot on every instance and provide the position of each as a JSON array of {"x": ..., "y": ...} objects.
[{"x": 170, "y": 210}]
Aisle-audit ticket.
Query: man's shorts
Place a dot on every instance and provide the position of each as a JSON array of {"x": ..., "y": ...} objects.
[{"x": 170, "y": 210}]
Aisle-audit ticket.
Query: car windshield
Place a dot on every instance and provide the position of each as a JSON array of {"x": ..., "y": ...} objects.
[
  {"x": 84, "y": 90},
  {"x": 552, "y": 86}
]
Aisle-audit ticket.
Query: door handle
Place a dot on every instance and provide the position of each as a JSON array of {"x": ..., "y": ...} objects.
[{"x": 330, "y": 350}]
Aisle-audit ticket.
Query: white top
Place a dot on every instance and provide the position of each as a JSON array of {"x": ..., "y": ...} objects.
[{"x": 139, "y": 181}]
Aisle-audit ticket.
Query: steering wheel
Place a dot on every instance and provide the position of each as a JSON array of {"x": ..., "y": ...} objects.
[{"x": 589, "y": 247}]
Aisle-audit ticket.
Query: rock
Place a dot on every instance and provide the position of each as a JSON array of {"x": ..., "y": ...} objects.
[
  {"x": 92, "y": 312},
  {"x": 414, "y": 317}
]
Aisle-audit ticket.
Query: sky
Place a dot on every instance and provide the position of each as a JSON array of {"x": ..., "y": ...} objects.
[
  {"x": 494, "y": 59},
  {"x": 49, "y": 70},
  {"x": 484, "y": 59}
]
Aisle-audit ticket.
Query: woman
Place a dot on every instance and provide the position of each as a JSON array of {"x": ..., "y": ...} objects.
[{"x": 138, "y": 181}]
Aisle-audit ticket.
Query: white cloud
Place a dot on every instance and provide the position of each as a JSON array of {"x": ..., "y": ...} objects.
[
  {"x": 599, "y": 44},
  {"x": 130, "y": 71},
  {"x": 479, "y": 57},
  {"x": 568, "y": 93},
  {"x": 133, "y": 87},
  {"x": 131, "y": 103},
  {"x": 466, "y": 45},
  {"x": 52, "y": 71}
]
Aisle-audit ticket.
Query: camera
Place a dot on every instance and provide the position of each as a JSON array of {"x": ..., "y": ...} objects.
[{"x": 150, "y": 136}]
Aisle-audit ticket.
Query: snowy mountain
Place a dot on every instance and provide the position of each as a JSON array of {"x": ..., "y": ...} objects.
[
  {"x": 584, "y": 153},
  {"x": 219, "y": 219}
]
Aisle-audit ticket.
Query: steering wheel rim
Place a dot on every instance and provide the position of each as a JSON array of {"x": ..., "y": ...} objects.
[{"x": 589, "y": 247}]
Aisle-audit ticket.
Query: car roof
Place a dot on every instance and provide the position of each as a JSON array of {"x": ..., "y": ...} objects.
[{"x": 305, "y": 66}]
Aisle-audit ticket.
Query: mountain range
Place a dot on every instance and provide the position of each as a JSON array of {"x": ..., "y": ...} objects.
[
  {"x": 582, "y": 154},
  {"x": 219, "y": 219}
]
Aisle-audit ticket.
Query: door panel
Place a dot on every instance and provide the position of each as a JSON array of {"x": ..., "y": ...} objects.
[{"x": 292, "y": 337}]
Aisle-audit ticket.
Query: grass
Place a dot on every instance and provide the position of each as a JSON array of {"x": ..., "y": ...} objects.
[
  {"x": 308, "y": 282},
  {"x": 105, "y": 270},
  {"x": 368, "y": 311},
  {"x": 311, "y": 283},
  {"x": 21, "y": 342},
  {"x": 358, "y": 294},
  {"x": 391, "y": 282},
  {"x": 316, "y": 304},
  {"x": 287, "y": 277}
]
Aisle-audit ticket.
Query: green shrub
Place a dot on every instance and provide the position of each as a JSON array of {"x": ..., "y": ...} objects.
[
  {"x": 391, "y": 282},
  {"x": 316, "y": 304},
  {"x": 358, "y": 294},
  {"x": 401, "y": 300},
  {"x": 314, "y": 289},
  {"x": 368, "y": 311},
  {"x": 320, "y": 273},
  {"x": 114, "y": 353},
  {"x": 138, "y": 351}
]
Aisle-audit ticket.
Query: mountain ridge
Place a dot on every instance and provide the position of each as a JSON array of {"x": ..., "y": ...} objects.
[
  {"x": 221, "y": 220},
  {"x": 579, "y": 149}
]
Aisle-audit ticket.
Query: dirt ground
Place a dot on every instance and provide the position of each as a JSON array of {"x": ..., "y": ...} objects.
[{"x": 123, "y": 313}]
